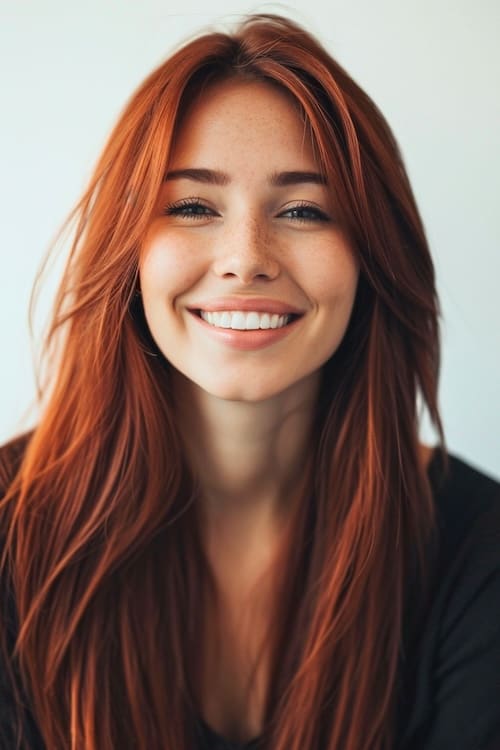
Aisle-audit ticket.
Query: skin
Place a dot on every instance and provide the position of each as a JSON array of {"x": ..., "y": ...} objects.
[{"x": 245, "y": 415}]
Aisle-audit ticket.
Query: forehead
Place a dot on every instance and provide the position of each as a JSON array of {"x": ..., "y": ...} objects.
[{"x": 245, "y": 117}]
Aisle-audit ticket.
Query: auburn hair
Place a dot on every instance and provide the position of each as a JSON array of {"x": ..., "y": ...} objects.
[{"x": 100, "y": 544}]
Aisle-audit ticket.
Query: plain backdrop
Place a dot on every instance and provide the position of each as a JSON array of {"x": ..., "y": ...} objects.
[{"x": 432, "y": 66}]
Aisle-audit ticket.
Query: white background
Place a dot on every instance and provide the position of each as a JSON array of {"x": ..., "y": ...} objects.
[{"x": 432, "y": 66}]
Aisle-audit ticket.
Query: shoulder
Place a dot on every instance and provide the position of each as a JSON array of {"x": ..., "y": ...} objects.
[
  {"x": 462, "y": 488},
  {"x": 11, "y": 456},
  {"x": 14, "y": 705},
  {"x": 467, "y": 502},
  {"x": 455, "y": 673},
  {"x": 468, "y": 574}
]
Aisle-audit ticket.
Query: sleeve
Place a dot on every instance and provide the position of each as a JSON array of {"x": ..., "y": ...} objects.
[{"x": 466, "y": 678}]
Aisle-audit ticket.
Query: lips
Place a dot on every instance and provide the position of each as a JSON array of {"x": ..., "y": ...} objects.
[{"x": 242, "y": 333}]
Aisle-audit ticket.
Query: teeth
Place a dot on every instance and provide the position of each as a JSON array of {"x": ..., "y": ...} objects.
[{"x": 245, "y": 321}]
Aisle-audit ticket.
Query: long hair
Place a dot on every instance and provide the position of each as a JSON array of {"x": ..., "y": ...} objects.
[{"x": 104, "y": 563}]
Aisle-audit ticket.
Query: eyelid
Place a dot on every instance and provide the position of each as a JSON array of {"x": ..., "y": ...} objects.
[
  {"x": 303, "y": 204},
  {"x": 175, "y": 209},
  {"x": 171, "y": 208}
]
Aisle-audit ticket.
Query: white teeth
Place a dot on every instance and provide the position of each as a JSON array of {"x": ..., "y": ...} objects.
[
  {"x": 238, "y": 321},
  {"x": 252, "y": 321},
  {"x": 265, "y": 320},
  {"x": 245, "y": 321}
]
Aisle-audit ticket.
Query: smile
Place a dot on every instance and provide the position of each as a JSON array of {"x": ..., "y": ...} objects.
[
  {"x": 245, "y": 321},
  {"x": 246, "y": 330}
]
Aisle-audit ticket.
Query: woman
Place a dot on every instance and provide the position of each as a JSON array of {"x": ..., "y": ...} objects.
[{"x": 224, "y": 532}]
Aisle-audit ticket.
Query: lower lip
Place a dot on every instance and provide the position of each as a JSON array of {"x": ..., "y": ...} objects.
[{"x": 246, "y": 340}]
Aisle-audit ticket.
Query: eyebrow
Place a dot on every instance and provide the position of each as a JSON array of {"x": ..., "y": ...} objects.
[{"x": 276, "y": 179}]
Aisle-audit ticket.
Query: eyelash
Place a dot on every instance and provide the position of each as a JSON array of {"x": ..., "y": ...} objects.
[{"x": 177, "y": 209}]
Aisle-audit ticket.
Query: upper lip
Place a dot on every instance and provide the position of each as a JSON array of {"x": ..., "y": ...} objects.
[{"x": 245, "y": 304}]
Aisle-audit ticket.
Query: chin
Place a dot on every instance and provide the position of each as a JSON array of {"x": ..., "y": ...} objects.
[
  {"x": 257, "y": 390},
  {"x": 244, "y": 392}
]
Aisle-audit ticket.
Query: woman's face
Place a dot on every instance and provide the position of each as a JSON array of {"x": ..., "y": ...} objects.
[{"x": 247, "y": 280}]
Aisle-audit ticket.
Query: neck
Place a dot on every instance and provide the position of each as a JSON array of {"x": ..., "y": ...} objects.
[{"x": 248, "y": 457}]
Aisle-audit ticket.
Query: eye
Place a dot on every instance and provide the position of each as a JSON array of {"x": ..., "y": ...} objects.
[
  {"x": 303, "y": 212},
  {"x": 188, "y": 208}
]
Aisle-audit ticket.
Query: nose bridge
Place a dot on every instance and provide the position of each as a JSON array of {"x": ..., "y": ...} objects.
[
  {"x": 247, "y": 250},
  {"x": 255, "y": 242}
]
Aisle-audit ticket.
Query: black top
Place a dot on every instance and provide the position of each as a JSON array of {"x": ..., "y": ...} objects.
[{"x": 452, "y": 688}]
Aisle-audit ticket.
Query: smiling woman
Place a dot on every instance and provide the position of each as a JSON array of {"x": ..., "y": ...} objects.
[
  {"x": 258, "y": 240},
  {"x": 224, "y": 533}
]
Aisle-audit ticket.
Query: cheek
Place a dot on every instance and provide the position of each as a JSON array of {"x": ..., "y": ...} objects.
[
  {"x": 166, "y": 268},
  {"x": 333, "y": 278}
]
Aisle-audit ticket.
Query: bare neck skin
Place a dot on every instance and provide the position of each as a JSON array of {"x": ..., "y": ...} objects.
[{"x": 249, "y": 458}]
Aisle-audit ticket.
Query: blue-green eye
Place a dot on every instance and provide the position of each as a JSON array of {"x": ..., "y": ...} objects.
[
  {"x": 305, "y": 212},
  {"x": 188, "y": 209},
  {"x": 193, "y": 208}
]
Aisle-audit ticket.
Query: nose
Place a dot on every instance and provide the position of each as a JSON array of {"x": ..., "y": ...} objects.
[{"x": 247, "y": 252}]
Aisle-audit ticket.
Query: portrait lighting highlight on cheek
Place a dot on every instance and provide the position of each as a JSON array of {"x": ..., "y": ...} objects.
[{"x": 247, "y": 280}]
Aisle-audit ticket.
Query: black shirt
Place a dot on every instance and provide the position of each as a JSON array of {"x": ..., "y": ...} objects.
[{"x": 452, "y": 693}]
